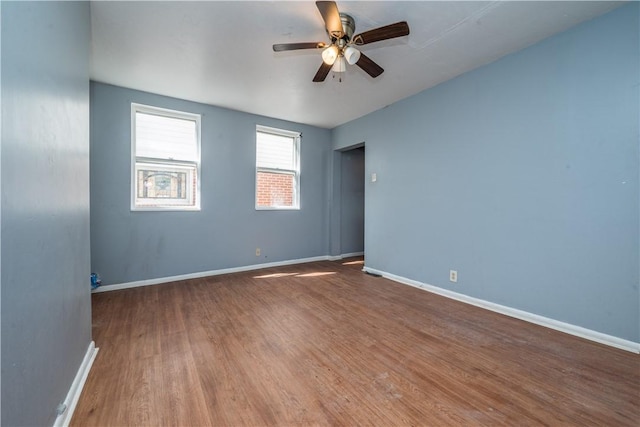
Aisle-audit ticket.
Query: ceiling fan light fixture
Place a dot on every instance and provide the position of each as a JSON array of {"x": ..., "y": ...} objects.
[
  {"x": 330, "y": 54},
  {"x": 352, "y": 55},
  {"x": 340, "y": 66}
]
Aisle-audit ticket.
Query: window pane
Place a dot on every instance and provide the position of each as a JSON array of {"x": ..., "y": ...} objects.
[
  {"x": 275, "y": 151},
  {"x": 165, "y": 137},
  {"x": 166, "y": 159},
  {"x": 165, "y": 185},
  {"x": 277, "y": 168},
  {"x": 275, "y": 189}
]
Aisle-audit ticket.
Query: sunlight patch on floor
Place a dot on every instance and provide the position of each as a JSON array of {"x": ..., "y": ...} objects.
[
  {"x": 359, "y": 262},
  {"x": 316, "y": 274},
  {"x": 274, "y": 275}
]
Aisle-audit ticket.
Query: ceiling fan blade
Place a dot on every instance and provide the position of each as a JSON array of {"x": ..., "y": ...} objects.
[
  {"x": 331, "y": 16},
  {"x": 391, "y": 31},
  {"x": 370, "y": 67},
  {"x": 322, "y": 73},
  {"x": 296, "y": 46}
]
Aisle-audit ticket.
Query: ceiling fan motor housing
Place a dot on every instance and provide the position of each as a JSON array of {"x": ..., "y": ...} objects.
[{"x": 348, "y": 26}]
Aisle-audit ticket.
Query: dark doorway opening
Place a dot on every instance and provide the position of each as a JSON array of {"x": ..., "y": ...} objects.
[{"x": 352, "y": 201}]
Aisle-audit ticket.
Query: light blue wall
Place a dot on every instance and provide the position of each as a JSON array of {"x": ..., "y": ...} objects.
[
  {"x": 46, "y": 306},
  {"x": 129, "y": 246},
  {"x": 522, "y": 176}
]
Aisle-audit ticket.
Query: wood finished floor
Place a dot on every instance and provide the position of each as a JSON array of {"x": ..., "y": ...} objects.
[{"x": 325, "y": 344}]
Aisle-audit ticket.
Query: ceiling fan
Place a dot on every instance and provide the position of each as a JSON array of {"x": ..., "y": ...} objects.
[{"x": 341, "y": 50}]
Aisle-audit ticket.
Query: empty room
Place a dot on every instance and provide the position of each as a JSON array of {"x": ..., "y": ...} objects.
[{"x": 291, "y": 213}]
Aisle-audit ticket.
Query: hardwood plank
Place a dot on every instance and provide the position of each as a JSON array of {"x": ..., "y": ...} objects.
[{"x": 325, "y": 344}]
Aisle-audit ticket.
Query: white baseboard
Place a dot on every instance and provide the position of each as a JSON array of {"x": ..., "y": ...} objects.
[
  {"x": 73, "y": 395},
  {"x": 115, "y": 287},
  {"x": 343, "y": 256},
  {"x": 568, "y": 328},
  {"x": 352, "y": 254}
]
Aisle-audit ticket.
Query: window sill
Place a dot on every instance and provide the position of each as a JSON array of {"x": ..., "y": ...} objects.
[
  {"x": 166, "y": 209},
  {"x": 277, "y": 208}
]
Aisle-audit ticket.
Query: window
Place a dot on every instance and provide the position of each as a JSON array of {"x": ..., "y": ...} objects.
[
  {"x": 277, "y": 169},
  {"x": 165, "y": 168}
]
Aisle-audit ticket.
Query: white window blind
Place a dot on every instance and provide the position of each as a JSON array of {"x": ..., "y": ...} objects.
[
  {"x": 164, "y": 137},
  {"x": 275, "y": 151}
]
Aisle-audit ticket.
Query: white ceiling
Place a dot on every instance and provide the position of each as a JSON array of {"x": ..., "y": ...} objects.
[{"x": 220, "y": 53}]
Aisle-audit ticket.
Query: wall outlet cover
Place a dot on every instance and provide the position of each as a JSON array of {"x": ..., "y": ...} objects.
[{"x": 453, "y": 276}]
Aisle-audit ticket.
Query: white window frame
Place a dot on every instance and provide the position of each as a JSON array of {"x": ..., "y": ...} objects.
[
  {"x": 168, "y": 163},
  {"x": 296, "y": 136}
]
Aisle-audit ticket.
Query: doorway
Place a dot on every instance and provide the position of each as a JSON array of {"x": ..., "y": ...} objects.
[{"x": 352, "y": 172}]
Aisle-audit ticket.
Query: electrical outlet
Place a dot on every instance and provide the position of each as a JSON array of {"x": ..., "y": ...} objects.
[
  {"x": 453, "y": 276},
  {"x": 257, "y": 251}
]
